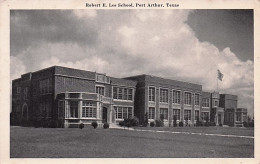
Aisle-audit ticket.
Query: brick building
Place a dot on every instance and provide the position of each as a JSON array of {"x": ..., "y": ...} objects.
[{"x": 70, "y": 96}]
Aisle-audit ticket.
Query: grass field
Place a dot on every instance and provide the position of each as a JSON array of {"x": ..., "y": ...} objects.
[{"x": 112, "y": 143}]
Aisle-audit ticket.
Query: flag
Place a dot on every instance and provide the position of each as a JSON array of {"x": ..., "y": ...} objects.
[{"x": 220, "y": 75}]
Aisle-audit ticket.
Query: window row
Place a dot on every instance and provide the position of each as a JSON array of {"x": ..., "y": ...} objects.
[
  {"x": 122, "y": 93},
  {"x": 123, "y": 112},
  {"x": 176, "y": 96},
  {"x": 176, "y": 113}
]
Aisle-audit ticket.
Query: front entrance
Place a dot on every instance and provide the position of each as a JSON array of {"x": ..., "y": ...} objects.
[
  {"x": 219, "y": 119},
  {"x": 104, "y": 115}
]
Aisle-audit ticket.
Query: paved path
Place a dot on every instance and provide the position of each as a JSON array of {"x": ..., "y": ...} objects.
[{"x": 192, "y": 133}]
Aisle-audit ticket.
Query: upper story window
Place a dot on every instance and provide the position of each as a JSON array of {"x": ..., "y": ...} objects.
[
  {"x": 122, "y": 93},
  {"x": 18, "y": 92},
  {"x": 25, "y": 93},
  {"x": 46, "y": 86},
  {"x": 215, "y": 102},
  {"x": 163, "y": 95},
  {"x": 197, "y": 99},
  {"x": 205, "y": 102},
  {"x": 152, "y": 94},
  {"x": 187, "y": 99},
  {"x": 102, "y": 78},
  {"x": 176, "y": 97},
  {"x": 100, "y": 90}
]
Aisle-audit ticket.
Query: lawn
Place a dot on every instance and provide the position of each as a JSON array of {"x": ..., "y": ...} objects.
[{"x": 113, "y": 143}]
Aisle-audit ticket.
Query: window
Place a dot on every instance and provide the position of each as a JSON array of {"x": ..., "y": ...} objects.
[
  {"x": 216, "y": 103},
  {"x": 187, "y": 100},
  {"x": 123, "y": 112},
  {"x": 100, "y": 90},
  {"x": 73, "y": 109},
  {"x": 152, "y": 94},
  {"x": 176, "y": 113},
  {"x": 89, "y": 109},
  {"x": 238, "y": 116},
  {"x": 164, "y": 113},
  {"x": 18, "y": 92},
  {"x": 176, "y": 97},
  {"x": 151, "y": 113},
  {"x": 187, "y": 114},
  {"x": 205, "y": 116},
  {"x": 197, "y": 115},
  {"x": 205, "y": 102},
  {"x": 102, "y": 78},
  {"x": 45, "y": 86},
  {"x": 164, "y": 95},
  {"x": 122, "y": 93},
  {"x": 25, "y": 93},
  {"x": 197, "y": 99}
]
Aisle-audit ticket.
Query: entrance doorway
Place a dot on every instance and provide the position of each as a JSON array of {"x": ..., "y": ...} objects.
[
  {"x": 104, "y": 115},
  {"x": 219, "y": 119}
]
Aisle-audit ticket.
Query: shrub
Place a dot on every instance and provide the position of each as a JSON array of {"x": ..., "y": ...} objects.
[
  {"x": 199, "y": 123},
  {"x": 94, "y": 124},
  {"x": 81, "y": 125},
  {"x": 220, "y": 125},
  {"x": 159, "y": 123},
  {"x": 122, "y": 123},
  {"x": 106, "y": 125},
  {"x": 152, "y": 124},
  {"x": 245, "y": 124},
  {"x": 180, "y": 124},
  {"x": 145, "y": 123},
  {"x": 134, "y": 121},
  {"x": 212, "y": 124}
]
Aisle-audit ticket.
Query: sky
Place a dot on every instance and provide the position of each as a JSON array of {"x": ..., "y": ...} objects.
[{"x": 185, "y": 45}]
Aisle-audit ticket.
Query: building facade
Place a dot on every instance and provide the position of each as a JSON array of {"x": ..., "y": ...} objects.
[{"x": 69, "y": 97}]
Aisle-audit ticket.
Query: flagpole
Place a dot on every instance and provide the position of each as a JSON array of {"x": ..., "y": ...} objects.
[{"x": 217, "y": 83}]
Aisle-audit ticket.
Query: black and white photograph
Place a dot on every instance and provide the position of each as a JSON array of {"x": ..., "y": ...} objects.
[{"x": 148, "y": 80}]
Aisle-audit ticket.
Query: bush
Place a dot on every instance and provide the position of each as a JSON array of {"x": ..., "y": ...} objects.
[
  {"x": 106, "y": 125},
  {"x": 129, "y": 122},
  {"x": 81, "y": 125},
  {"x": 220, "y": 125},
  {"x": 212, "y": 124},
  {"x": 152, "y": 124},
  {"x": 199, "y": 123},
  {"x": 94, "y": 124},
  {"x": 159, "y": 123},
  {"x": 180, "y": 124},
  {"x": 122, "y": 123},
  {"x": 245, "y": 124}
]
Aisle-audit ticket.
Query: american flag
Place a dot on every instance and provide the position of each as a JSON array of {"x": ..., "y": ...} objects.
[{"x": 220, "y": 75}]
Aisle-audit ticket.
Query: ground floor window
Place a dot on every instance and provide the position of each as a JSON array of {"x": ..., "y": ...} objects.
[
  {"x": 73, "y": 109},
  {"x": 151, "y": 113},
  {"x": 197, "y": 115},
  {"x": 176, "y": 113},
  {"x": 187, "y": 114},
  {"x": 123, "y": 112},
  {"x": 89, "y": 109},
  {"x": 204, "y": 116},
  {"x": 164, "y": 113}
]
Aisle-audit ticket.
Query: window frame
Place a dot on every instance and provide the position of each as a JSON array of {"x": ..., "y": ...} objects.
[
  {"x": 178, "y": 118},
  {"x": 164, "y": 109},
  {"x": 151, "y": 95},
  {"x": 176, "y": 90},
  {"x": 167, "y": 89},
  {"x": 189, "y": 116},
  {"x": 151, "y": 115},
  {"x": 188, "y": 92},
  {"x": 89, "y": 111},
  {"x": 100, "y": 86},
  {"x": 196, "y": 100}
]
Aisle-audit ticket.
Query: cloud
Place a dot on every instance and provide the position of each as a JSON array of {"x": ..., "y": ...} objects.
[{"x": 128, "y": 42}]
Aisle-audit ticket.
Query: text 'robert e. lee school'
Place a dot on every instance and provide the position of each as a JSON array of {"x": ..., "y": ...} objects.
[{"x": 71, "y": 97}]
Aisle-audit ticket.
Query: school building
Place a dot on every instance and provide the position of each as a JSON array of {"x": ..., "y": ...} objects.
[{"x": 69, "y": 97}]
